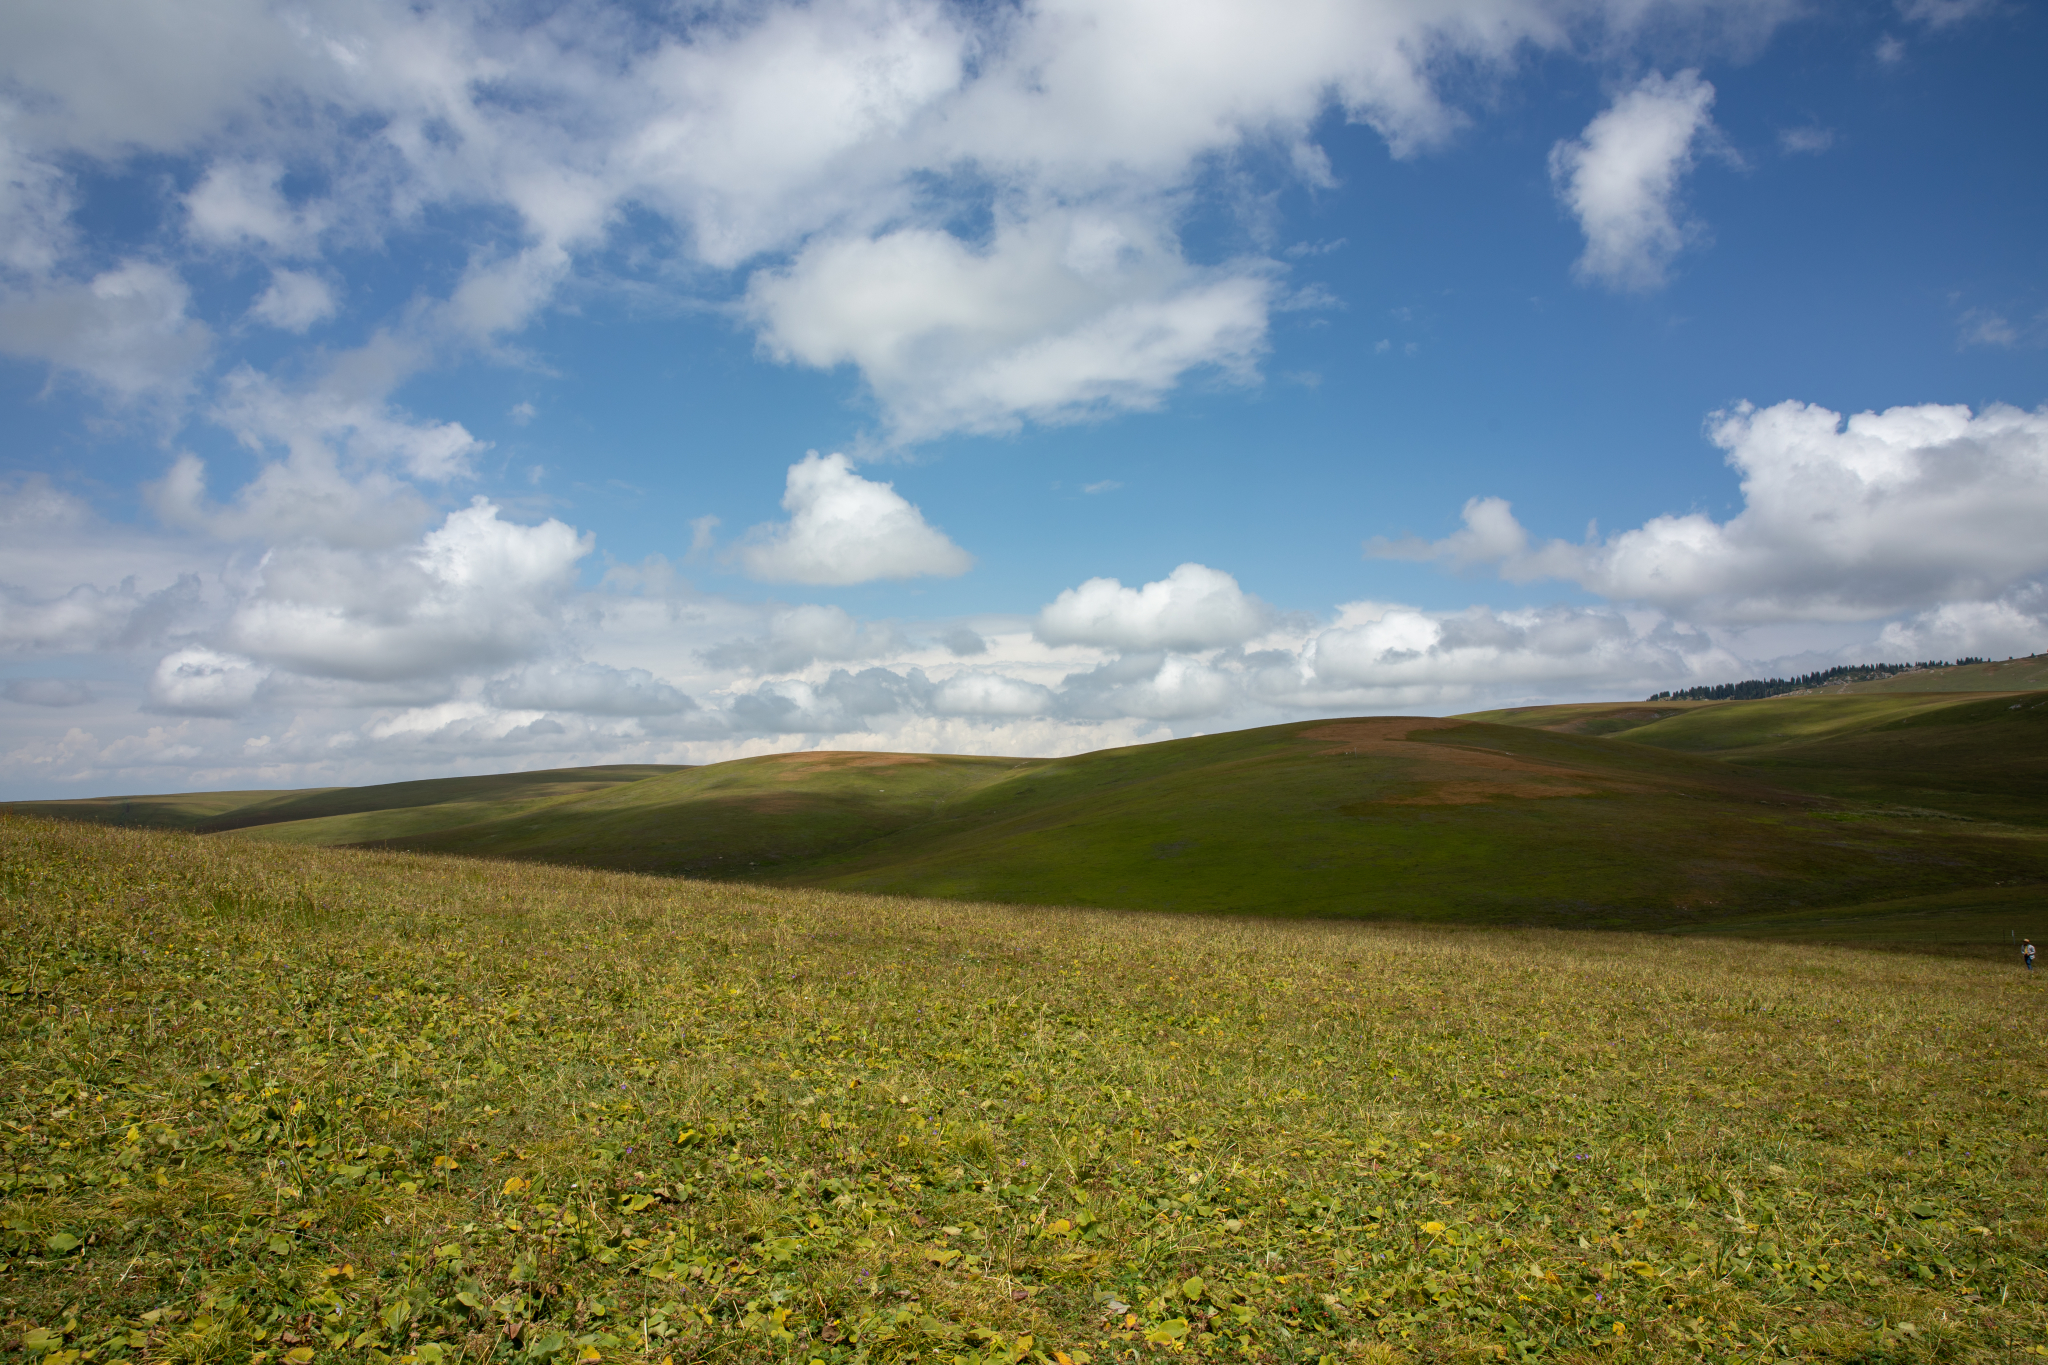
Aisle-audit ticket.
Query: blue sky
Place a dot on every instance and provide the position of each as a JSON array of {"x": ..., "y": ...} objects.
[{"x": 393, "y": 391}]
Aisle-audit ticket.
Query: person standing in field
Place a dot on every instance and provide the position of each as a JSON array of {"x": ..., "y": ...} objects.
[{"x": 2027, "y": 952}]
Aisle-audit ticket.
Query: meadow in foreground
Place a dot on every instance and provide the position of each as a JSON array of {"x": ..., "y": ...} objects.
[{"x": 282, "y": 1105}]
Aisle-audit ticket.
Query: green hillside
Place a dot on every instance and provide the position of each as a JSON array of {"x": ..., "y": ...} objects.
[
  {"x": 1968, "y": 756},
  {"x": 1970, "y": 675},
  {"x": 1591, "y": 718},
  {"x": 171, "y": 810},
  {"x": 748, "y": 818},
  {"x": 1782, "y": 812},
  {"x": 1427, "y": 820},
  {"x": 1387, "y": 818},
  {"x": 429, "y": 803},
  {"x": 2011, "y": 675}
]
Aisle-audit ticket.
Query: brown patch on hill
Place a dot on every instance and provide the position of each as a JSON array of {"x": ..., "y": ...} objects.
[
  {"x": 809, "y": 761},
  {"x": 1453, "y": 774},
  {"x": 1365, "y": 736}
]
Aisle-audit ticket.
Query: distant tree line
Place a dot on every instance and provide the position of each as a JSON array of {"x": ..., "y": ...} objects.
[{"x": 1755, "y": 689}]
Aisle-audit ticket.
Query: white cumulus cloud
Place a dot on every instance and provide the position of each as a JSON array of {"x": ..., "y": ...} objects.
[
  {"x": 344, "y": 410},
  {"x": 1065, "y": 316},
  {"x": 35, "y": 205},
  {"x": 89, "y": 617},
  {"x": 798, "y": 637},
  {"x": 990, "y": 694},
  {"x": 2015, "y": 623},
  {"x": 844, "y": 529},
  {"x": 757, "y": 135},
  {"x": 239, "y": 203},
  {"x": 1152, "y": 686},
  {"x": 205, "y": 682},
  {"x": 1385, "y": 647},
  {"x": 588, "y": 689},
  {"x": 980, "y": 209},
  {"x": 107, "y": 75},
  {"x": 1192, "y": 608},
  {"x": 304, "y": 497},
  {"x": 128, "y": 329},
  {"x": 295, "y": 300},
  {"x": 474, "y": 595},
  {"x": 1621, "y": 178},
  {"x": 1888, "y": 512},
  {"x": 344, "y": 453}
]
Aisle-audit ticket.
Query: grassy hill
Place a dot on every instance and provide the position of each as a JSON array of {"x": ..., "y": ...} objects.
[
  {"x": 1377, "y": 818},
  {"x": 386, "y": 807},
  {"x": 1634, "y": 815},
  {"x": 297, "y": 1106},
  {"x": 2010, "y": 675},
  {"x": 749, "y": 818},
  {"x": 171, "y": 810},
  {"x": 1981, "y": 675},
  {"x": 1955, "y": 756},
  {"x": 1418, "y": 820}
]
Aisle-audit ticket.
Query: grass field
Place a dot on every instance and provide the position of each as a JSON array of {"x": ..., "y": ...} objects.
[
  {"x": 279, "y": 1105},
  {"x": 1984, "y": 922}
]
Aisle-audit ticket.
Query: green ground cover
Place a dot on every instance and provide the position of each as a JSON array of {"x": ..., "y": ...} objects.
[
  {"x": 1687, "y": 814},
  {"x": 1987, "y": 923},
  {"x": 1619, "y": 816},
  {"x": 2008, "y": 675},
  {"x": 396, "y": 802},
  {"x": 744, "y": 819},
  {"x": 1912, "y": 755},
  {"x": 1471, "y": 823},
  {"x": 276, "y": 1105},
  {"x": 170, "y": 810}
]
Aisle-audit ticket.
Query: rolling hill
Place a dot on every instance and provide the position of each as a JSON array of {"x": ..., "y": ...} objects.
[
  {"x": 1959, "y": 756},
  {"x": 344, "y": 815},
  {"x": 1783, "y": 812},
  {"x": 2011, "y": 675}
]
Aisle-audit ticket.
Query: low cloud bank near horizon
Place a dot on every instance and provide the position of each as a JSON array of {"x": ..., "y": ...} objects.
[{"x": 197, "y": 656}]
